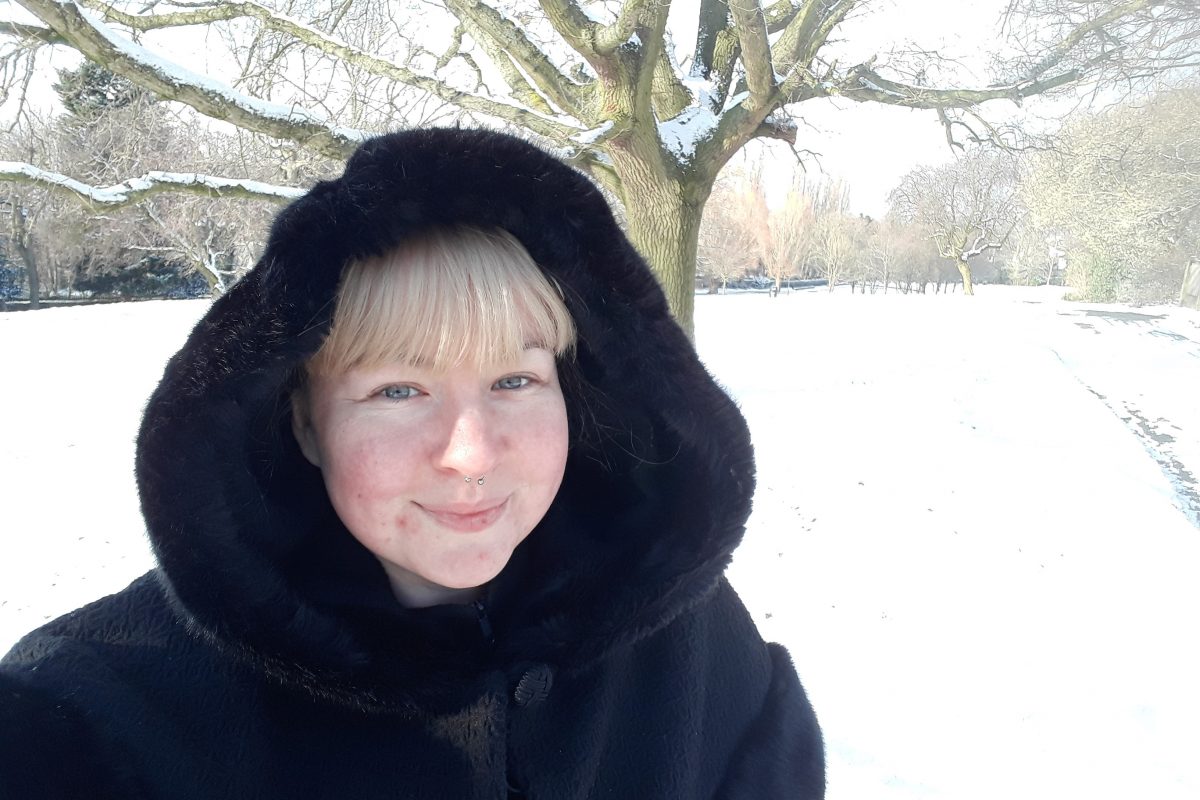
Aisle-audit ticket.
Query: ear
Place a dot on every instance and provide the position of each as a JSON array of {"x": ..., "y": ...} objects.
[{"x": 302, "y": 427}]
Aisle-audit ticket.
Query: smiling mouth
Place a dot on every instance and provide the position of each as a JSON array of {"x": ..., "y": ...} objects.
[{"x": 466, "y": 520}]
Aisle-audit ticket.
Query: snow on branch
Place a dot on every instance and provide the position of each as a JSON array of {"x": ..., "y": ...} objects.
[
  {"x": 310, "y": 36},
  {"x": 609, "y": 37},
  {"x": 136, "y": 189}
]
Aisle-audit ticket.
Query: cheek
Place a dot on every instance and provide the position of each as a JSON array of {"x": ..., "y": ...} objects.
[
  {"x": 545, "y": 450},
  {"x": 365, "y": 469}
]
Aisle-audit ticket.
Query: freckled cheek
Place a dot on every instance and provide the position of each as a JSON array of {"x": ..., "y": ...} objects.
[
  {"x": 370, "y": 470},
  {"x": 544, "y": 447}
]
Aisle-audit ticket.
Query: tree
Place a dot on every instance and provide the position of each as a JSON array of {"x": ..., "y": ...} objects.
[
  {"x": 884, "y": 249},
  {"x": 1121, "y": 197},
  {"x": 793, "y": 232},
  {"x": 729, "y": 242},
  {"x": 918, "y": 262},
  {"x": 604, "y": 85},
  {"x": 32, "y": 211},
  {"x": 75, "y": 220},
  {"x": 837, "y": 244},
  {"x": 1032, "y": 254},
  {"x": 968, "y": 206},
  {"x": 90, "y": 90}
]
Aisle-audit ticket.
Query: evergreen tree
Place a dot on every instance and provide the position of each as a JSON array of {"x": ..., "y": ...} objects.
[{"x": 90, "y": 90}]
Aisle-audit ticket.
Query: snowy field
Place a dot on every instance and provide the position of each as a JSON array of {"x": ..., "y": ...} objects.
[{"x": 977, "y": 525}]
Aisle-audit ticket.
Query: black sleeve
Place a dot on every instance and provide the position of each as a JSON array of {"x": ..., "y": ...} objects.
[
  {"x": 782, "y": 755},
  {"x": 47, "y": 750}
]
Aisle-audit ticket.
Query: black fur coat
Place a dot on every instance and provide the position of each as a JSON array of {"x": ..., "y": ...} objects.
[{"x": 266, "y": 657}]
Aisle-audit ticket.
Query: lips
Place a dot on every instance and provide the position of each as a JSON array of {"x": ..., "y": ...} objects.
[{"x": 467, "y": 518}]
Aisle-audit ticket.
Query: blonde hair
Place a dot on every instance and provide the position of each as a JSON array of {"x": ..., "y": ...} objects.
[{"x": 447, "y": 296}]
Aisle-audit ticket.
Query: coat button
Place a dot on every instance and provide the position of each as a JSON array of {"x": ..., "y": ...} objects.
[{"x": 534, "y": 685}]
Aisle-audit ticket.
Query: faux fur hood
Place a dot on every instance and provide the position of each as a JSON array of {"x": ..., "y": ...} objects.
[{"x": 658, "y": 481}]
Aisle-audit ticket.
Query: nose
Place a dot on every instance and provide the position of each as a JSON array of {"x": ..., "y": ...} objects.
[{"x": 470, "y": 446}]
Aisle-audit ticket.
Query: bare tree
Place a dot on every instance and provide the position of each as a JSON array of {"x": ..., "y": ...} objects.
[
  {"x": 71, "y": 221},
  {"x": 918, "y": 262},
  {"x": 605, "y": 86},
  {"x": 837, "y": 245},
  {"x": 968, "y": 207},
  {"x": 793, "y": 232},
  {"x": 884, "y": 249},
  {"x": 730, "y": 238}
]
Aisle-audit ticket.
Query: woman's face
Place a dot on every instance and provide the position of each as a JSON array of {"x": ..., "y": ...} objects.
[{"x": 402, "y": 450}]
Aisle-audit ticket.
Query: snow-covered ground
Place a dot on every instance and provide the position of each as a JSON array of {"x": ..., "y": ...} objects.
[{"x": 977, "y": 525}]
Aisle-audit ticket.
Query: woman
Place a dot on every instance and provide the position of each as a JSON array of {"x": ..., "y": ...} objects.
[{"x": 441, "y": 499}]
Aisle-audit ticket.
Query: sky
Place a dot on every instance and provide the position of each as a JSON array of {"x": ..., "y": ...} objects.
[
  {"x": 869, "y": 146},
  {"x": 976, "y": 526}
]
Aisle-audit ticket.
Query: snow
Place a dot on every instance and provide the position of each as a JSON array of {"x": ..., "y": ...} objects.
[
  {"x": 681, "y": 133},
  {"x": 870, "y": 84},
  {"x": 119, "y": 193},
  {"x": 597, "y": 13},
  {"x": 258, "y": 187},
  {"x": 974, "y": 529},
  {"x": 45, "y": 176},
  {"x": 594, "y": 134}
]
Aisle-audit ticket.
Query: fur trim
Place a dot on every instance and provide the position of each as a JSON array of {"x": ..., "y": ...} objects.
[{"x": 659, "y": 477}]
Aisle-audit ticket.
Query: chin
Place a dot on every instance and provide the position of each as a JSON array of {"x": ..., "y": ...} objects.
[{"x": 459, "y": 577}]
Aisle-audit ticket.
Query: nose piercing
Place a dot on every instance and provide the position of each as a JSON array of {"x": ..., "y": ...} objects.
[{"x": 468, "y": 479}]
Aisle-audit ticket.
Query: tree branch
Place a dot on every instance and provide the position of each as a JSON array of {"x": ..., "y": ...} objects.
[
  {"x": 30, "y": 33},
  {"x": 329, "y": 45},
  {"x": 807, "y": 33},
  {"x": 574, "y": 26},
  {"x": 1075, "y": 37},
  {"x": 135, "y": 190},
  {"x": 780, "y": 13},
  {"x": 173, "y": 83},
  {"x": 505, "y": 35},
  {"x": 522, "y": 91},
  {"x": 863, "y": 83},
  {"x": 610, "y": 37},
  {"x": 712, "y": 18},
  {"x": 670, "y": 95},
  {"x": 751, "y": 29},
  {"x": 718, "y": 48},
  {"x": 652, "y": 51}
]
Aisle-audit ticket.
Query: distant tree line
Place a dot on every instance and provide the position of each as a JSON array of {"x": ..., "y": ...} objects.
[
  {"x": 1109, "y": 205},
  {"x": 812, "y": 235},
  {"x": 130, "y": 242}
]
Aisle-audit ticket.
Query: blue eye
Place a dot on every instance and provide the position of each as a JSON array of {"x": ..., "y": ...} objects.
[
  {"x": 513, "y": 382},
  {"x": 398, "y": 392}
]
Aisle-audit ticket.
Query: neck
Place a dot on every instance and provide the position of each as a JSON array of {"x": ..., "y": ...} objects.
[{"x": 413, "y": 591}]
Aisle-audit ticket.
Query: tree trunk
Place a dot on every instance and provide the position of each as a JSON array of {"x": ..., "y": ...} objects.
[
  {"x": 22, "y": 240},
  {"x": 964, "y": 269},
  {"x": 664, "y": 225},
  {"x": 1189, "y": 294}
]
